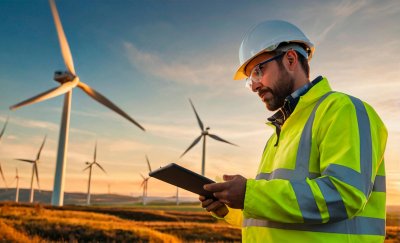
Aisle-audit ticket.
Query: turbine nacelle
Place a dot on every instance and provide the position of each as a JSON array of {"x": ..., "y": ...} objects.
[
  {"x": 205, "y": 132},
  {"x": 63, "y": 76}
]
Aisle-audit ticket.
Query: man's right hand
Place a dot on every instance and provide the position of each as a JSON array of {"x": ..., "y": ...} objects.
[{"x": 216, "y": 207}]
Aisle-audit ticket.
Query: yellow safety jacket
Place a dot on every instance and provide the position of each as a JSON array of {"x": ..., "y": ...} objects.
[{"x": 325, "y": 179}]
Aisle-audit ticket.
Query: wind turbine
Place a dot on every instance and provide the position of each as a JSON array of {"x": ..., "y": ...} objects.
[
  {"x": 68, "y": 80},
  {"x": 35, "y": 171},
  {"x": 204, "y": 133},
  {"x": 90, "y": 167},
  {"x": 145, "y": 182},
  {"x": 17, "y": 186}
]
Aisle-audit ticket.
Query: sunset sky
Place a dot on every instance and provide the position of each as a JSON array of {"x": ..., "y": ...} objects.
[{"x": 150, "y": 57}]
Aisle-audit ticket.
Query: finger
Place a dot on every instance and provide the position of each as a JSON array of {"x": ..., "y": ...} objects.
[
  {"x": 202, "y": 198},
  {"x": 228, "y": 177},
  {"x": 215, "y": 187},
  {"x": 214, "y": 206},
  {"x": 206, "y": 203}
]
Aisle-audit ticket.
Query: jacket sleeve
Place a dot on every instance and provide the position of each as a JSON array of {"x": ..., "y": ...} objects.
[{"x": 349, "y": 140}]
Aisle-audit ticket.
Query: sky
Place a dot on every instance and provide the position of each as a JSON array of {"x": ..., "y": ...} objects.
[{"x": 150, "y": 57}]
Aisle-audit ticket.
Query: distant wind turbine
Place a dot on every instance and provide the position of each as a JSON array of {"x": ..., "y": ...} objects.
[
  {"x": 35, "y": 171},
  {"x": 68, "y": 80},
  {"x": 17, "y": 186},
  {"x": 90, "y": 166},
  {"x": 145, "y": 182},
  {"x": 204, "y": 133}
]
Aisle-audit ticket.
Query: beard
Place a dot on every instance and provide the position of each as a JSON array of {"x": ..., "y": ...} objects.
[{"x": 283, "y": 89}]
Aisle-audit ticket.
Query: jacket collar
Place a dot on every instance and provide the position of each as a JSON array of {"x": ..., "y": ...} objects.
[{"x": 291, "y": 102}]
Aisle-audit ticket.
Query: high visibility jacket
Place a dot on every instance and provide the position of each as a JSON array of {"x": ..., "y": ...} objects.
[{"x": 325, "y": 179}]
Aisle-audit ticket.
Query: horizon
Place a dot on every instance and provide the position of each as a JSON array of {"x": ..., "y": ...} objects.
[{"x": 149, "y": 58}]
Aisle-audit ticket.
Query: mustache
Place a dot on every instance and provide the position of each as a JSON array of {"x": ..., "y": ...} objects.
[{"x": 264, "y": 90}]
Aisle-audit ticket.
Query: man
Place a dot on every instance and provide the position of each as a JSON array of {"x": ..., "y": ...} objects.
[{"x": 322, "y": 176}]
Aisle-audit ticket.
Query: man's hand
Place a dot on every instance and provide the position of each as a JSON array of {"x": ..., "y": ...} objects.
[
  {"x": 216, "y": 207},
  {"x": 231, "y": 192}
]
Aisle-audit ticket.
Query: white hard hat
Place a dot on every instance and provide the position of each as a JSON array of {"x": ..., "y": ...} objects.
[{"x": 267, "y": 36}]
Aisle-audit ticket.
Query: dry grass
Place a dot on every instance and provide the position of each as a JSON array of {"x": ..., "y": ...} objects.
[{"x": 76, "y": 224}]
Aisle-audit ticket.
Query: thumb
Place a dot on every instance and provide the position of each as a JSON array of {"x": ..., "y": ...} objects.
[{"x": 229, "y": 177}]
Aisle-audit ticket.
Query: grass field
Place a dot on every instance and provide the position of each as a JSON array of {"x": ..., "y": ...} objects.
[
  {"x": 37, "y": 223},
  {"x": 152, "y": 223}
]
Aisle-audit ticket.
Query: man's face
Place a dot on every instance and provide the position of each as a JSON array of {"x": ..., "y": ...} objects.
[{"x": 275, "y": 84}]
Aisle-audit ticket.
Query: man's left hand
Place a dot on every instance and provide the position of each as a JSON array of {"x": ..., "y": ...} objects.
[{"x": 231, "y": 192}]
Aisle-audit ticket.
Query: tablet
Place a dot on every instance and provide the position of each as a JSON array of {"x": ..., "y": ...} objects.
[{"x": 183, "y": 178}]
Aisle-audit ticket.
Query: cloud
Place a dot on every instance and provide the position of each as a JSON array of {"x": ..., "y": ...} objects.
[
  {"x": 198, "y": 71},
  {"x": 340, "y": 13}
]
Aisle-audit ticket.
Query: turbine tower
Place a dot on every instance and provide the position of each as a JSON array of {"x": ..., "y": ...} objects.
[
  {"x": 204, "y": 134},
  {"x": 35, "y": 171},
  {"x": 145, "y": 182},
  {"x": 90, "y": 167},
  {"x": 17, "y": 186},
  {"x": 68, "y": 80}
]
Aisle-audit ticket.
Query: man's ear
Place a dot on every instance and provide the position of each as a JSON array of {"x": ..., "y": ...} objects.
[{"x": 292, "y": 59}]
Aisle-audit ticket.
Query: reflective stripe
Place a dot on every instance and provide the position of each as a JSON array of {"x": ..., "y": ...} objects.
[
  {"x": 304, "y": 149},
  {"x": 285, "y": 174},
  {"x": 349, "y": 177},
  {"x": 379, "y": 184},
  {"x": 355, "y": 226},
  {"x": 365, "y": 145},
  {"x": 305, "y": 197},
  {"x": 334, "y": 202},
  {"x": 306, "y": 201}
]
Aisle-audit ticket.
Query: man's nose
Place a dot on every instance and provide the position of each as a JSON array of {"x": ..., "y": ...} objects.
[{"x": 255, "y": 86}]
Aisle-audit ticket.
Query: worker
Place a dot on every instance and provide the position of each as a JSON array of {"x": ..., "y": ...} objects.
[{"x": 321, "y": 177}]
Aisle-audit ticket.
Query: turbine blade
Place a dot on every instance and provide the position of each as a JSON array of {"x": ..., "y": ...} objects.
[
  {"x": 4, "y": 128},
  {"x": 144, "y": 178},
  {"x": 103, "y": 100},
  {"x": 197, "y": 116},
  {"x": 62, "y": 89},
  {"x": 148, "y": 163},
  {"x": 65, "y": 51},
  {"x": 95, "y": 152},
  {"x": 37, "y": 175},
  {"x": 16, "y": 172},
  {"x": 98, "y": 165},
  {"x": 41, "y": 147},
  {"x": 87, "y": 168},
  {"x": 2, "y": 176},
  {"x": 191, "y": 146},
  {"x": 220, "y": 139},
  {"x": 26, "y": 160}
]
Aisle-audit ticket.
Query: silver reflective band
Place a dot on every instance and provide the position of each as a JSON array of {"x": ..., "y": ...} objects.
[
  {"x": 286, "y": 174},
  {"x": 355, "y": 226}
]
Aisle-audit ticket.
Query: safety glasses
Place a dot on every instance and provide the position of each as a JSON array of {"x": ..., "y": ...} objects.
[{"x": 256, "y": 73}]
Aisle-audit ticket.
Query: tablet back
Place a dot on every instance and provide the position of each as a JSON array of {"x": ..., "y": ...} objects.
[{"x": 183, "y": 178}]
